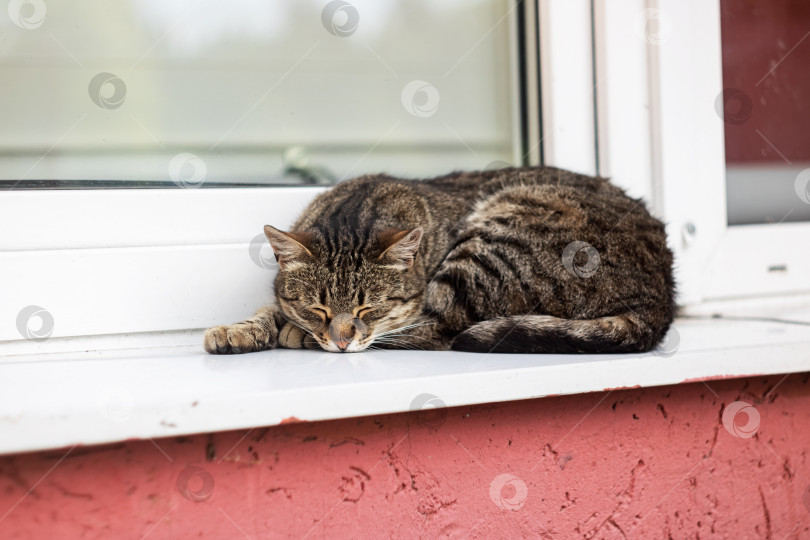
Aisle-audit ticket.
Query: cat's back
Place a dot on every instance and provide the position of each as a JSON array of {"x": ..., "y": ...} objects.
[
  {"x": 483, "y": 183},
  {"x": 553, "y": 207},
  {"x": 390, "y": 201},
  {"x": 380, "y": 201}
]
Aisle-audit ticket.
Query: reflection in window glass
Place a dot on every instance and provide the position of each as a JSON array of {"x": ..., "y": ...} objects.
[
  {"x": 192, "y": 93},
  {"x": 766, "y": 54}
]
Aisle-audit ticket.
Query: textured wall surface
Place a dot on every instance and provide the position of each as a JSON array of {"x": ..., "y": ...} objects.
[{"x": 725, "y": 459}]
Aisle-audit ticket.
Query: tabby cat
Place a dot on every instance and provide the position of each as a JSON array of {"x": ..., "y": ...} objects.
[{"x": 517, "y": 260}]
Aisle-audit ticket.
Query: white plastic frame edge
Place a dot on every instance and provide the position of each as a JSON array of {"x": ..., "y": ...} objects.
[{"x": 680, "y": 141}]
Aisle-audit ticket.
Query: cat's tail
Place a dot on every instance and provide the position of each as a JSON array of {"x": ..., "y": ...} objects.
[{"x": 624, "y": 333}]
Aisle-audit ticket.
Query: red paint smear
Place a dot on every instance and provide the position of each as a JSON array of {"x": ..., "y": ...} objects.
[
  {"x": 292, "y": 420},
  {"x": 622, "y": 388},
  {"x": 719, "y": 378}
]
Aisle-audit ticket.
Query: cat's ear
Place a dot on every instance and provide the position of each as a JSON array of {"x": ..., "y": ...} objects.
[
  {"x": 400, "y": 247},
  {"x": 290, "y": 248}
]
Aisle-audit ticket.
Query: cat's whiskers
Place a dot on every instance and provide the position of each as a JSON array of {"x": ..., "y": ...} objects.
[
  {"x": 398, "y": 336},
  {"x": 408, "y": 336},
  {"x": 405, "y": 327},
  {"x": 399, "y": 343}
]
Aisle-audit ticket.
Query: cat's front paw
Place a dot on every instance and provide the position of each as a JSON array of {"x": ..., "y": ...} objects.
[
  {"x": 242, "y": 337},
  {"x": 292, "y": 337}
]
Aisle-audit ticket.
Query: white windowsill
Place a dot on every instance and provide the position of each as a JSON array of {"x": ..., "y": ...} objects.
[{"x": 61, "y": 399}]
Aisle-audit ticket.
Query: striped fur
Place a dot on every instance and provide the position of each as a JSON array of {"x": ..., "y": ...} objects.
[{"x": 514, "y": 260}]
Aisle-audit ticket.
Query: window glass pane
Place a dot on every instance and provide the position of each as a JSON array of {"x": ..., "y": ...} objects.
[
  {"x": 189, "y": 93},
  {"x": 765, "y": 105}
]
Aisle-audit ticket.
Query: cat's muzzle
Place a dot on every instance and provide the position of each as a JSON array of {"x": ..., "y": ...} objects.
[{"x": 345, "y": 329}]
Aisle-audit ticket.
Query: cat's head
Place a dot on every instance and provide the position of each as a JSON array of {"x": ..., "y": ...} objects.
[{"x": 346, "y": 295}]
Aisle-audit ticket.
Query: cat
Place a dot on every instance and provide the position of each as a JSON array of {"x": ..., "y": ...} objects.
[{"x": 515, "y": 260}]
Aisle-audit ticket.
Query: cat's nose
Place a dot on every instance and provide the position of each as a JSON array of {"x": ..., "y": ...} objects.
[{"x": 342, "y": 330}]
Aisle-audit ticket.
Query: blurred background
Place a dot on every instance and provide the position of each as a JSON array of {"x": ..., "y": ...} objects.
[{"x": 256, "y": 90}]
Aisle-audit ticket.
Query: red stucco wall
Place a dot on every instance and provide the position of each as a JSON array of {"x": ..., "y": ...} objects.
[{"x": 645, "y": 463}]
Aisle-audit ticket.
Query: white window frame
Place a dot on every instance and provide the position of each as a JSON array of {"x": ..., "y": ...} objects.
[
  {"x": 661, "y": 138},
  {"x": 567, "y": 85},
  {"x": 175, "y": 259}
]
